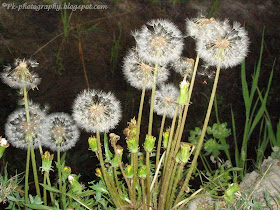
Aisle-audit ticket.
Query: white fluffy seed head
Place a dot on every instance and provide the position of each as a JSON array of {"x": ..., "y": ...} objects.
[
  {"x": 140, "y": 74},
  {"x": 59, "y": 132},
  {"x": 227, "y": 47},
  {"x": 96, "y": 111},
  {"x": 22, "y": 133},
  {"x": 197, "y": 27},
  {"x": 183, "y": 66},
  {"x": 159, "y": 41},
  {"x": 19, "y": 75},
  {"x": 165, "y": 100}
]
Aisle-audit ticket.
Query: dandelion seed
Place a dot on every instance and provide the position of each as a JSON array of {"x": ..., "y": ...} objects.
[
  {"x": 96, "y": 111},
  {"x": 183, "y": 66},
  {"x": 140, "y": 74},
  {"x": 20, "y": 76},
  {"x": 60, "y": 132},
  {"x": 226, "y": 48},
  {"x": 21, "y": 133},
  {"x": 159, "y": 41},
  {"x": 165, "y": 100}
]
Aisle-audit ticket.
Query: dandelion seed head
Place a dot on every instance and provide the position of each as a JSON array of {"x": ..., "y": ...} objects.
[
  {"x": 96, "y": 111},
  {"x": 22, "y": 133},
  {"x": 20, "y": 75},
  {"x": 140, "y": 74},
  {"x": 227, "y": 47},
  {"x": 183, "y": 66},
  {"x": 196, "y": 27},
  {"x": 60, "y": 132},
  {"x": 159, "y": 41},
  {"x": 165, "y": 100}
]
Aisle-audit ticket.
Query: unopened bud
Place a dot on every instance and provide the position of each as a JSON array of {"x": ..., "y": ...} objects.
[
  {"x": 184, "y": 153},
  {"x": 142, "y": 172},
  {"x": 47, "y": 161},
  {"x": 3, "y": 145},
  {"x": 149, "y": 143},
  {"x": 92, "y": 141},
  {"x": 132, "y": 145},
  {"x": 184, "y": 92},
  {"x": 166, "y": 138},
  {"x": 98, "y": 172},
  {"x": 129, "y": 171}
]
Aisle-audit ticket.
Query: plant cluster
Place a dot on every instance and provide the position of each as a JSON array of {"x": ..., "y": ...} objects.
[{"x": 157, "y": 173}]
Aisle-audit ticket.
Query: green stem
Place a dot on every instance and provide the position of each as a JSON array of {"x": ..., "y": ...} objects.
[
  {"x": 117, "y": 181},
  {"x": 49, "y": 183},
  {"x": 170, "y": 187},
  {"x": 171, "y": 197},
  {"x": 188, "y": 102},
  {"x": 26, "y": 187},
  {"x": 45, "y": 190},
  {"x": 200, "y": 142},
  {"x": 144, "y": 193},
  {"x": 109, "y": 183},
  {"x": 152, "y": 100},
  {"x": 148, "y": 179},
  {"x": 140, "y": 113},
  {"x": 160, "y": 138},
  {"x": 59, "y": 176},
  {"x": 33, "y": 161}
]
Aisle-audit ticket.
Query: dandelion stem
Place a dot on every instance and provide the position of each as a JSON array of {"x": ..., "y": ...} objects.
[
  {"x": 188, "y": 103},
  {"x": 25, "y": 96},
  {"x": 49, "y": 183},
  {"x": 144, "y": 192},
  {"x": 45, "y": 190},
  {"x": 152, "y": 100},
  {"x": 26, "y": 187},
  {"x": 109, "y": 183},
  {"x": 33, "y": 161},
  {"x": 148, "y": 179},
  {"x": 117, "y": 181},
  {"x": 160, "y": 138},
  {"x": 59, "y": 178},
  {"x": 200, "y": 142}
]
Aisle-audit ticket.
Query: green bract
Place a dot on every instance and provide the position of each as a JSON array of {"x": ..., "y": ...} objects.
[{"x": 149, "y": 143}]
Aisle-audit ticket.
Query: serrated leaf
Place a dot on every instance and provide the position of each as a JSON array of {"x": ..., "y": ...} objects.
[{"x": 52, "y": 189}]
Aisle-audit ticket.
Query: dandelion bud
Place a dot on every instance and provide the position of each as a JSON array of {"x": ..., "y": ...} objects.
[
  {"x": 66, "y": 172},
  {"x": 75, "y": 186},
  {"x": 149, "y": 143},
  {"x": 184, "y": 92},
  {"x": 47, "y": 162},
  {"x": 118, "y": 155},
  {"x": 92, "y": 143},
  {"x": 129, "y": 171},
  {"x": 229, "y": 193},
  {"x": 184, "y": 153},
  {"x": 3, "y": 145},
  {"x": 132, "y": 145},
  {"x": 98, "y": 172},
  {"x": 142, "y": 172},
  {"x": 166, "y": 138}
]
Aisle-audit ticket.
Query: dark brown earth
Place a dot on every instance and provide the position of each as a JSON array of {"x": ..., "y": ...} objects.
[{"x": 28, "y": 33}]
